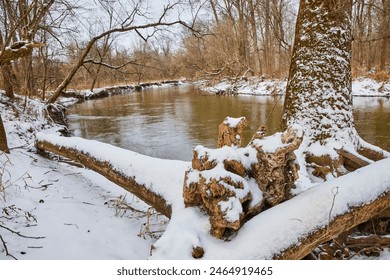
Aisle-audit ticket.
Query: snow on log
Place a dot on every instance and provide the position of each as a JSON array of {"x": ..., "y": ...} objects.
[
  {"x": 158, "y": 182},
  {"x": 289, "y": 230},
  {"x": 18, "y": 50}
]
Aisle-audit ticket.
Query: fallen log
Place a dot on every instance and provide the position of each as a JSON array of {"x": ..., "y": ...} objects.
[
  {"x": 289, "y": 230},
  {"x": 127, "y": 169},
  {"x": 365, "y": 241},
  {"x": 337, "y": 226}
]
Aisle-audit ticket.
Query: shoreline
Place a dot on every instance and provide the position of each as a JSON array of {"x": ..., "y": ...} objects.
[{"x": 259, "y": 86}]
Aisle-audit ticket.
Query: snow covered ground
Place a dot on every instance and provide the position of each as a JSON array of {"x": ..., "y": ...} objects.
[
  {"x": 257, "y": 86},
  {"x": 54, "y": 210}
]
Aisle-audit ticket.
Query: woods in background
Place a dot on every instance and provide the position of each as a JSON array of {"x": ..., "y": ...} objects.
[{"x": 234, "y": 38}]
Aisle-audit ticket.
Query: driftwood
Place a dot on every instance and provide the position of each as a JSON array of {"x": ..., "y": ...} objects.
[{"x": 128, "y": 183}]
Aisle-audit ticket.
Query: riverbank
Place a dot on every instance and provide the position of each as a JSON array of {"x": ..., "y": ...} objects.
[
  {"x": 72, "y": 96},
  {"x": 53, "y": 209},
  {"x": 66, "y": 211},
  {"x": 362, "y": 86}
]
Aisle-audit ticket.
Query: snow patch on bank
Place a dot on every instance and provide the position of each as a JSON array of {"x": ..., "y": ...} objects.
[{"x": 259, "y": 86}]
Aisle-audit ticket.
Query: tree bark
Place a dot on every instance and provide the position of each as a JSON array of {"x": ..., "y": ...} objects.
[
  {"x": 3, "y": 138},
  {"x": 6, "y": 70},
  {"x": 385, "y": 34},
  {"x": 336, "y": 227},
  {"x": 258, "y": 70},
  {"x": 102, "y": 167},
  {"x": 318, "y": 93}
]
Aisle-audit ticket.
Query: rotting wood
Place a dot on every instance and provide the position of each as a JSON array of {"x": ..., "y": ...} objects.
[
  {"x": 365, "y": 241},
  {"x": 351, "y": 161},
  {"x": 226, "y": 196},
  {"x": 337, "y": 226},
  {"x": 231, "y": 134},
  {"x": 105, "y": 169}
]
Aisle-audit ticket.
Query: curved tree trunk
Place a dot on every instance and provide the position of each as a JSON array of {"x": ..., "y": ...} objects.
[{"x": 318, "y": 94}]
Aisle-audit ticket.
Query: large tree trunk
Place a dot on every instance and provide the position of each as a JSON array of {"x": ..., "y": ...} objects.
[{"x": 318, "y": 94}]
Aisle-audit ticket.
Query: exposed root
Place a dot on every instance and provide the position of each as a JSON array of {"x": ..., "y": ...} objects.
[{"x": 222, "y": 185}]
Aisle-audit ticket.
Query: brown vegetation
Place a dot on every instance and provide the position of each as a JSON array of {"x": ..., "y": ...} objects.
[{"x": 244, "y": 37}]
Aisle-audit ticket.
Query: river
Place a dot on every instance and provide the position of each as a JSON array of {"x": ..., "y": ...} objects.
[{"x": 169, "y": 122}]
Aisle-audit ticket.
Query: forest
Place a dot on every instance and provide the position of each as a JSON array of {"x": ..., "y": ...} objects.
[{"x": 299, "y": 183}]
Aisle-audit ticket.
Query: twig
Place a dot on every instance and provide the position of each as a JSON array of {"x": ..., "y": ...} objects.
[
  {"x": 66, "y": 224},
  {"x": 331, "y": 208},
  {"x": 6, "y": 249},
  {"x": 21, "y": 235}
]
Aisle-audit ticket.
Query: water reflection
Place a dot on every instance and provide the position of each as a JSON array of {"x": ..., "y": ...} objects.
[{"x": 170, "y": 122}]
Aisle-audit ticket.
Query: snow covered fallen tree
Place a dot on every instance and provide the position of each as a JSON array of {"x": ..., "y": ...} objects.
[
  {"x": 158, "y": 182},
  {"x": 290, "y": 230}
]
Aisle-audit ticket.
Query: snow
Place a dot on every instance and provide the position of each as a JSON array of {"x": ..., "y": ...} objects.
[
  {"x": 369, "y": 87},
  {"x": 362, "y": 86},
  {"x": 162, "y": 176},
  {"x": 82, "y": 215},
  {"x": 278, "y": 227},
  {"x": 233, "y": 122}
]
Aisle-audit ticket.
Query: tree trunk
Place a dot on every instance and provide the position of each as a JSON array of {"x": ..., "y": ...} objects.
[
  {"x": 385, "y": 34},
  {"x": 267, "y": 38},
  {"x": 318, "y": 94},
  {"x": 369, "y": 35},
  {"x": 3, "y": 138},
  {"x": 337, "y": 226},
  {"x": 29, "y": 79},
  {"x": 6, "y": 70},
  {"x": 258, "y": 70},
  {"x": 213, "y": 7}
]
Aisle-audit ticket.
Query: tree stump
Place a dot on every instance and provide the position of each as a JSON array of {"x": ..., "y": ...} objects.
[
  {"x": 232, "y": 184},
  {"x": 276, "y": 170},
  {"x": 230, "y": 131}
]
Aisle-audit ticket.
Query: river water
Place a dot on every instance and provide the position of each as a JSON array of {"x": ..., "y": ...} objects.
[{"x": 170, "y": 122}]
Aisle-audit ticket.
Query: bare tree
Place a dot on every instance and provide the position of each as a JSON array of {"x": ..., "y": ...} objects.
[
  {"x": 385, "y": 34},
  {"x": 123, "y": 24},
  {"x": 20, "y": 23}
]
